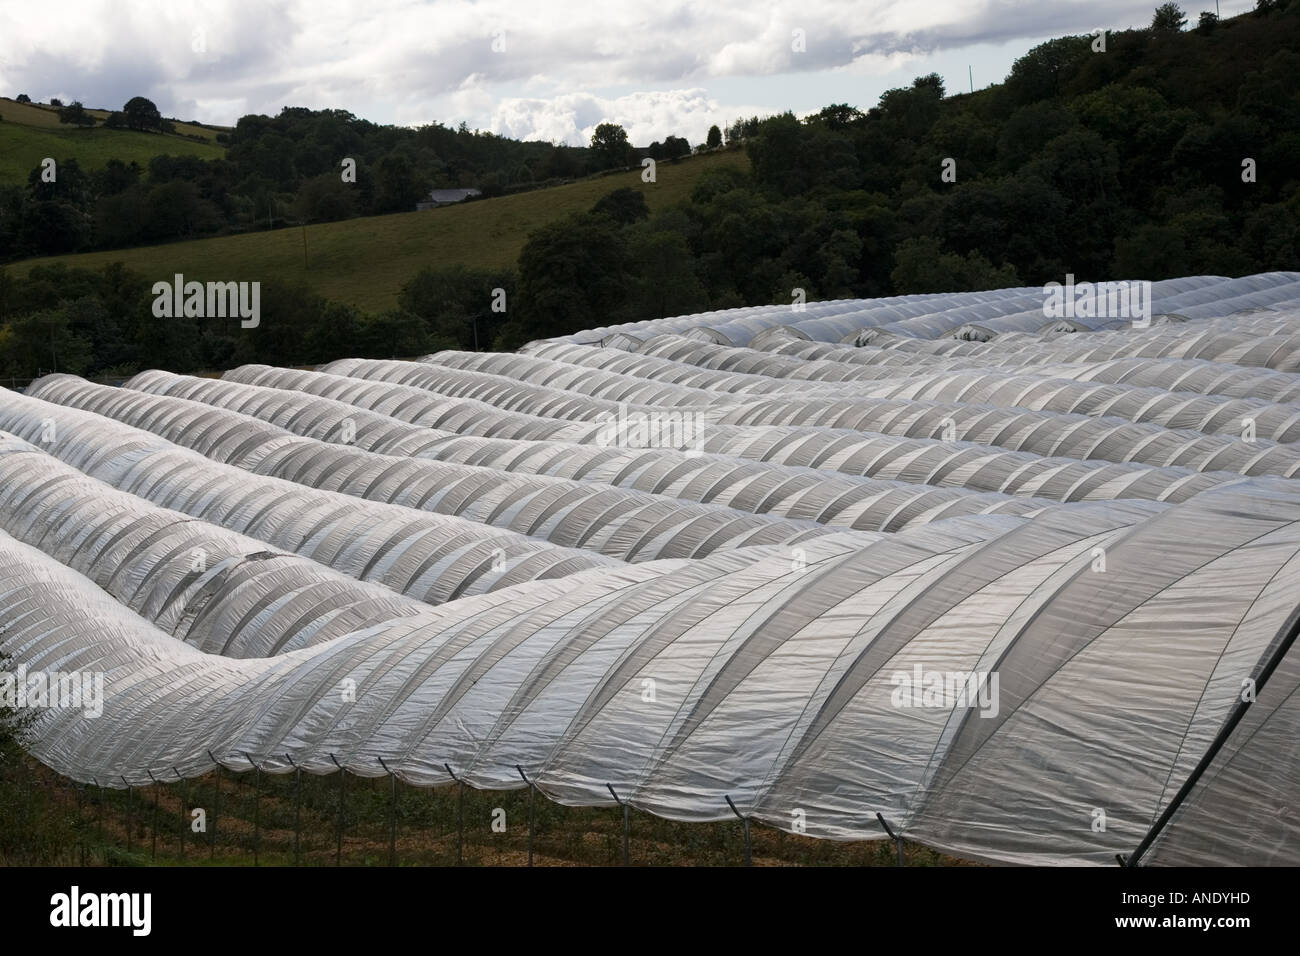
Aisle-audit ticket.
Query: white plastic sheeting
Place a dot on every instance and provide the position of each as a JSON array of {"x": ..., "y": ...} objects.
[
  {"x": 1076, "y": 519},
  {"x": 628, "y": 525},
  {"x": 1104, "y": 702},
  {"x": 739, "y": 506},
  {"x": 429, "y": 557},
  {"x": 222, "y": 592},
  {"x": 928, "y": 316},
  {"x": 747, "y": 469}
]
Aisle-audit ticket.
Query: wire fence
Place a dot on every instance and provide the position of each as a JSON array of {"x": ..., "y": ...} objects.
[{"x": 251, "y": 818}]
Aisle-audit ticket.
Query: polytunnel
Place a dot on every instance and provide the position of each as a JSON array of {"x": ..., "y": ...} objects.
[{"x": 982, "y": 591}]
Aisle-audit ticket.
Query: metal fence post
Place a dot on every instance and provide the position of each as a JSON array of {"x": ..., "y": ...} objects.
[
  {"x": 297, "y": 807},
  {"x": 257, "y": 807},
  {"x": 128, "y": 815},
  {"x": 153, "y": 825},
  {"x": 531, "y": 792},
  {"x": 392, "y": 817},
  {"x": 338, "y": 852},
  {"x": 745, "y": 820},
  {"x": 185, "y": 792},
  {"x": 460, "y": 815},
  {"x": 216, "y": 809},
  {"x": 81, "y": 823},
  {"x": 898, "y": 840},
  {"x": 626, "y": 823},
  {"x": 99, "y": 816}
]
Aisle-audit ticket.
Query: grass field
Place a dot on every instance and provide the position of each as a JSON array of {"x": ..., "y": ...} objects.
[
  {"x": 253, "y": 818},
  {"x": 30, "y": 132},
  {"x": 184, "y": 129},
  {"x": 364, "y": 262}
]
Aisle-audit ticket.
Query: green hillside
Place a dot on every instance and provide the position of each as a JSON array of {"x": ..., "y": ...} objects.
[
  {"x": 30, "y": 131},
  {"x": 364, "y": 262}
]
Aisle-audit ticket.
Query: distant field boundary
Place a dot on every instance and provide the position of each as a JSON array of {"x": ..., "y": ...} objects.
[{"x": 365, "y": 261}]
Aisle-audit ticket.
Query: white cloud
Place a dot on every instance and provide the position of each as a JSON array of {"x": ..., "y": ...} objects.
[
  {"x": 647, "y": 116},
  {"x": 419, "y": 61},
  {"x": 879, "y": 64}
]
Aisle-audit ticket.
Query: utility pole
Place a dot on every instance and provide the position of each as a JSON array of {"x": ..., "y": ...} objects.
[{"x": 971, "y": 71}]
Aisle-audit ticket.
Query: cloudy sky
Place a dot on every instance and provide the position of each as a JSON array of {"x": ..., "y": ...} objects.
[{"x": 540, "y": 69}]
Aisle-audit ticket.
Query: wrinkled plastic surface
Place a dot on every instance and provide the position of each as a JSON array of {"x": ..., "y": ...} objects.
[{"x": 442, "y": 563}]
